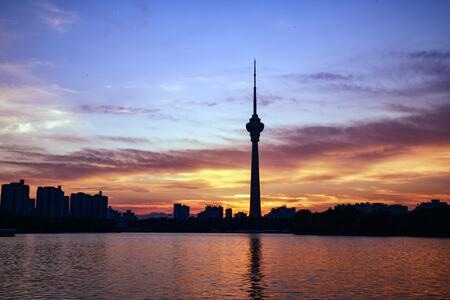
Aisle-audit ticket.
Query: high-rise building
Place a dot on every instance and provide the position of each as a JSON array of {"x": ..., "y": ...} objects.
[
  {"x": 255, "y": 127},
  {"x": 180, "y": 211},
  {"x": 88, "y": 206},
  {"x": 15, "y": 198},
  {"x": 51, "y": 202},
  {"x": 211, "y": 212},
  {"x": 228, "y": 213}
]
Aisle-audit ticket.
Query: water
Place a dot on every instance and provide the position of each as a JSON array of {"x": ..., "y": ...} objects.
[{"x": 240, "y": 266}]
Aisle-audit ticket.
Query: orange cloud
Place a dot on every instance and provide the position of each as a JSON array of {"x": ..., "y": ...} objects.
[{"x": 406, "y": 160}]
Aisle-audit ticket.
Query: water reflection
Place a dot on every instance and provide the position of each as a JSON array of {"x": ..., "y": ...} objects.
[
  {"x": 221, "y": 266},
  {"x": 256, "y": 290}
]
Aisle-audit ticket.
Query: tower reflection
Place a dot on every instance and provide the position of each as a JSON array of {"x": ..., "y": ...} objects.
[{"x": 256, "y": 289}]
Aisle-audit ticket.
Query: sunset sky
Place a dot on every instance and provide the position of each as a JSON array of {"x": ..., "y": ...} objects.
[{"x": 148, "y": 100}]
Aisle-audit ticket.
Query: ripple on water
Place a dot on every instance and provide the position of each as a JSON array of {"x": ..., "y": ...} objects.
[{"x": 213, "y": 266}]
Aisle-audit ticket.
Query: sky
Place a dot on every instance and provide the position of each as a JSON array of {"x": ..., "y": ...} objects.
[{"x": 148, "y": 101}]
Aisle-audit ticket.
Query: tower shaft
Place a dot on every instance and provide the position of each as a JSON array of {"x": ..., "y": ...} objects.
[{"x": 255, "y": 196}]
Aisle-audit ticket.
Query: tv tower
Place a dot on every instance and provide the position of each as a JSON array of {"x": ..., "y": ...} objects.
[{"x": 255, "y": 127}]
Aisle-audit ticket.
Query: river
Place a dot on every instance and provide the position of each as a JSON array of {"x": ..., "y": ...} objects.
[{"x": 219, "y": 266}]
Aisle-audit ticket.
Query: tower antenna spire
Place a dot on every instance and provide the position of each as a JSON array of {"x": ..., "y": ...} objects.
[{"x": 254, "y": 87}]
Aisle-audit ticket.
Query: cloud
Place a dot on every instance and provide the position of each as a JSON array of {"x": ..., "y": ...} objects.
[
  {"x": 55, "y": 18},
  {"x": 385, "y": 137},
  {"x": 121, "y": 110},
  {"x": 171, "y": 87},
  {"x": 65, "y": 138},
  {"x": 202, "y": 103},
  {"x": 33, "y": 108},
  {"x": 350, "y": 148},
  {"x": 123, "y": 139},
  {"x": 401, "y": 159},
  {"x": 396, "y": 107},
  {"x": 433, "y": 54},
  {"x": 397, "y": 75},
  {"x": 17, "y": 72},
  {"x": 79, "y": 140},
  {"x": 88, "y": 162},
  {"x": 320, "y": 76},
  {"x": 267, "y": 99}
]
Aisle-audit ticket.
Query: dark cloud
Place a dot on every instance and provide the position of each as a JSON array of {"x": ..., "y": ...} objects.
[
  {"x": 265, "y": 100},
  {"x": 424, "y": 127},
  {"x": 404, "y": 108},
  {"x": 123, "y": 139},
  {"x": 116, "y": 110},
  {"x": 66, "y": 138},
  {"x": 433, "y": 54},
  {"x": 414, "y": 74},
  {"x": 88, "y": 162},
  {"x": 119, "y": 110},
  {"x": 75, "y": 139},
  {"x": 319, "y": 76},
  {"x": 353, "y": 148},
  {"x": 202, "y": 103}
]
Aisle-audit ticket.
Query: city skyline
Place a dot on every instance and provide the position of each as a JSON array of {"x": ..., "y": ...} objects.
[{"x": 356, "y": 108}]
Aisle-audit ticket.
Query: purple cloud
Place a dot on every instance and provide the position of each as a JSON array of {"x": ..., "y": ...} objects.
[
  {"x": 320, "y": 76},
  {"x": 117, "y": 110}
]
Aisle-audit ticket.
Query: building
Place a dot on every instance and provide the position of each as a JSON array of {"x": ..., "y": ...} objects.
[
  {"x": 434, "y": 203},
  {"x": 397, "y": 209},
  {"x": 281, "y": 212},
  {"x": 374, "y": 208},
  {"x": 211, "y": 212},
  {"x": 88, "y": 206},
  {"x": 51, "y": 202},
  {"x": 240, "y": 215},
  {"x": 129, "y": 217},
  {"x": 112, "y": 214},
  {"x": 228, "y": 213},
  {"x": 180, "y": 211},
  {"x": 15, "y": 198},
  {"x": 255, "y": 127}
]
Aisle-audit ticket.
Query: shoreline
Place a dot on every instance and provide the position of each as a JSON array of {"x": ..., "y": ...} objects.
[{"x": 242, "y": 232}]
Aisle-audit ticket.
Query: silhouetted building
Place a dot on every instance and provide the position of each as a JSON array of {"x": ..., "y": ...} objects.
[
  {"x": 180, "y": 211},
  {"x": 397, "y": 209},
  {"x": 88, "y": 206},
  {"x": 15, "y": 198},
  {"x": 434, "y": 203},
  {"x": 33, "y": 205},
  {"x": 255, "y": 127},
  {"x": 373, "y": 208},
  {"x": 281, "y": 212},
  {"x": 240, "y": 215},
  {"x": 228, "y": 213},
  {"x": 51, "y": 202},
  {"x": 128, "y": 216},
  {"x": 211, "y": 212},
  {"x": 112, "y": 214}
]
